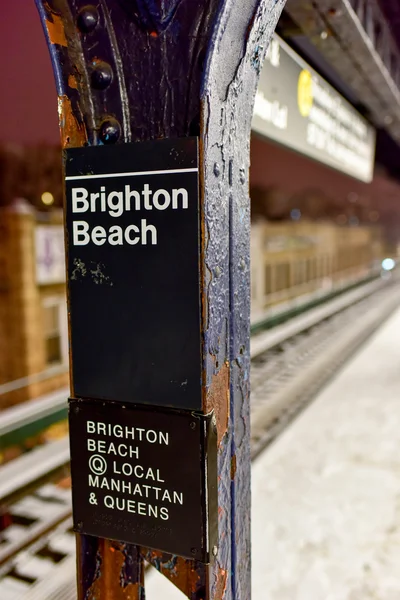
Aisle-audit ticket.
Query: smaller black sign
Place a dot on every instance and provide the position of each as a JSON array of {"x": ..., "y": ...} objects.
[{"x": 144, "y": 476}]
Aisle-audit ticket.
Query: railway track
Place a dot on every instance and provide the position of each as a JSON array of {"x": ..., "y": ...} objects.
[
  {"x": 46, "y": 570},
  {"x": 31, "y": 418},
  {"x": 289, "y": 364},
  {"x": 288, "y": 372}
]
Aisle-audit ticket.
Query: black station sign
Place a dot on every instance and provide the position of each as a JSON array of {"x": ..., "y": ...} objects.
[
  {"x": 144, "y": 476},
  {"x": 132, "y": 219}
]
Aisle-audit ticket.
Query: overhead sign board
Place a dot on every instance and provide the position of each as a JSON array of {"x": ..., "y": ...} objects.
[
  {"x": 297, "y": 108},
  {"x": 132, "y": 218},
  {"x": 146, "y": 477}
]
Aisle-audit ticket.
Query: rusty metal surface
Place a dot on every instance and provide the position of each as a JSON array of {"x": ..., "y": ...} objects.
[
  {"x": 187, "y": 575},
  {"x": 109, "y": 570},
  {"x": 138, "y": 70},
  {"x": 356, "y": 40},
  {"x": 227, "y": 111}
]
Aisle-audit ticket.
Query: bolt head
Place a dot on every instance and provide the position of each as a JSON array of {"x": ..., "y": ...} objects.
[
  {"x": 110, "y": 131},
  {"x": 87, "y": 19},
  {"x": 101, "y": 76}
]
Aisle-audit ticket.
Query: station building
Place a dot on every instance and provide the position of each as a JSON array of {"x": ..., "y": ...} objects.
[{"x": 33, "y": 314}]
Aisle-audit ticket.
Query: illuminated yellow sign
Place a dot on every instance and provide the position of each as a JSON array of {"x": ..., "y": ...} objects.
[
  {"x": 297, "y": 108},
  {"x": 305, "y": 93}
]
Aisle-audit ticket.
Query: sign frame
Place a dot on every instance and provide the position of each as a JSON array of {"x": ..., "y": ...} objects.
[{"x": 113, "y": 450}]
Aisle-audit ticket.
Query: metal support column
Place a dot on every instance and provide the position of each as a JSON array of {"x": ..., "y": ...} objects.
[{"x": 135, "y": 70}]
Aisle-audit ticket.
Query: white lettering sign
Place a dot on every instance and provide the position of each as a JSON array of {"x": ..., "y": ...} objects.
[
  {"x": 115, "y": 203},
  {"x": 131, "y": 486}
]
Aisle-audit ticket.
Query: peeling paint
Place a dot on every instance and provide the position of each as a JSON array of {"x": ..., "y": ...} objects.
[
  {"x": 99, "y": 277},
  {"x": 186, "y": 575},
  {"x": 217, "y": 399},
  {"x": 220, "y": 587},
  {"x": 107, "y": 585},
  {"x": 233, "y": 466},
  {"x": 96, "y": 273},
  {"x": 73, "y": 133},
  {"x": 72, "y": 82},
  {"x": 257, "y": 58},
  {"x": 79, "y": 269},
  {"x": 55, "y": 29}
]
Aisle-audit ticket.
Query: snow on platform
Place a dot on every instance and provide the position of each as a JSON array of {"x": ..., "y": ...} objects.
[{"x": 326, "y": 494}]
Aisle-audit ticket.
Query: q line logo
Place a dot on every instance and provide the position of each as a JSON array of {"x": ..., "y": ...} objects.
[
  {"x": 305, "y": 93},
  {"x": 97, "y": 464}
]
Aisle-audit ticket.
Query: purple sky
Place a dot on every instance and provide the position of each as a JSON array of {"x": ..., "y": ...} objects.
[{"x": 28, "y": 99}]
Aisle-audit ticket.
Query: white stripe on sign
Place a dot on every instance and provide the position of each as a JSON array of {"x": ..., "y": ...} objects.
[{"x": 138, "y": 173}]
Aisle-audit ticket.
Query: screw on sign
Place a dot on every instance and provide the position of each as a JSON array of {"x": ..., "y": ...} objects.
[{"x": 159, "y": 284}]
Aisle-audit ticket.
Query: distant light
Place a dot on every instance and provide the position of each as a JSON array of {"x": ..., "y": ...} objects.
[
  {"x": 47, "y": 198},
  {"x": 354, "y": 221},
  {"x": 295, "y": 214},
  {"x": 388, "y": 264},
  {"x": 324, "y": 35}
]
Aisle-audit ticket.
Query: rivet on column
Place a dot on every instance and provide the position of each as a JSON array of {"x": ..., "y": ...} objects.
[
  {"x": 110, "y": 131},
  {"x": 101, "y": 76},
  {"x": 87, "y": 19}
]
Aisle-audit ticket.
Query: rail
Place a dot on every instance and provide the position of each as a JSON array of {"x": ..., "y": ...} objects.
[
  {"x": 31, "y": 417},
  {"x": 289, "y": 373},
  {"x": 266, "y": 340},
  {"x": 17, "y": 384},
  {"x": 19, "y": 475}
]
